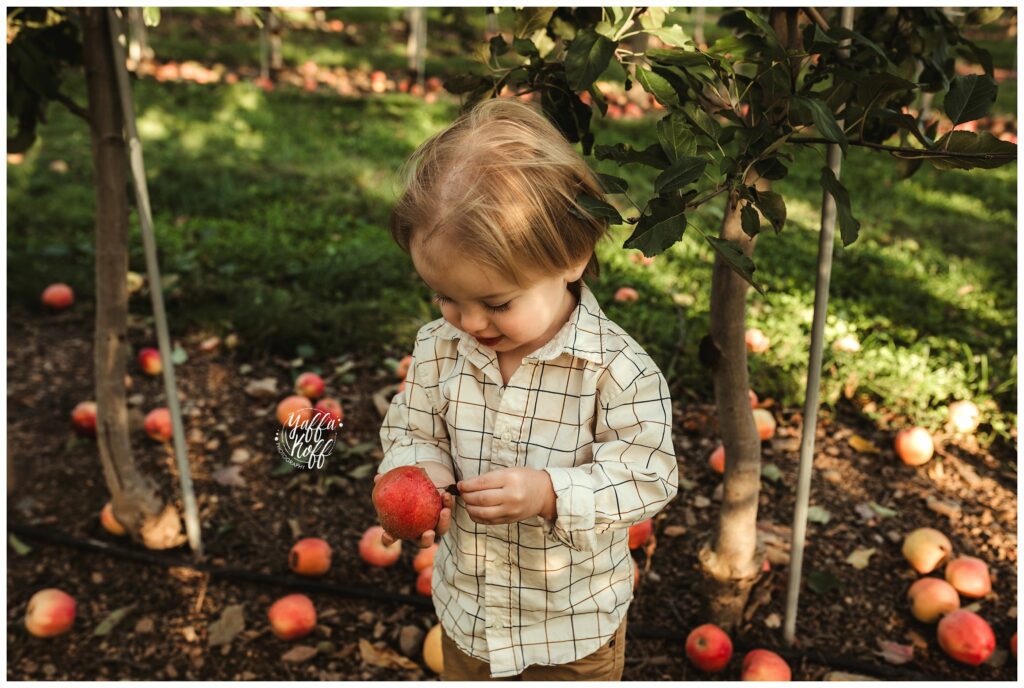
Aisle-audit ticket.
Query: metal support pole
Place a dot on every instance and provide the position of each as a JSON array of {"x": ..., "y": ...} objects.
[
  {"x": 153, "y": 270},
  {"x": 803, "y": 488}
]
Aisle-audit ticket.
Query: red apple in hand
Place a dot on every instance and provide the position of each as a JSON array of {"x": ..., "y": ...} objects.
[
  {"x": 709, "y": 648},
  {"x": 407, "y": 502}
]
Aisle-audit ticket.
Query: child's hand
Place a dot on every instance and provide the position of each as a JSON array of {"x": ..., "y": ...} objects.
[
  {"x": 508, "y": 495},
  {"x": 444, "y": 521}
]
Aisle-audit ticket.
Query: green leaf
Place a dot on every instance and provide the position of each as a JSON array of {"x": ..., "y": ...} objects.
[
  {"x": 824, "y": 120},
  {"x": 17, "y": 545},
  {"x": 849, "y": 226},
  {"x": 823, "y": 582},
  {"x": 658, "y": 86},
  {"x": 683, "y": 171},
  {"x": 980, "y": 16},
  {"x": 612, "y": 184},
  {"x": 702, "y": 120},
  {"x": 841, "y": 32},
  {"x": 464, "y": 83},
  {"x": 771, "y": 472},
  {"x": 970, "y": 97},
  {"x": 905, "y": 168},
  {"x": 733, "y": 255},
  {"x": 676, "y": 137},
  {"x": 883, "y": 511},
  {"x": 498, "y": 46},
  {"x": 773, "y": 207},
  {"x": 596, "y": 208},
  {"x": 816, "y": 40},
  {"x": 772, "y": 168},
  {"x": 878, "y": 87},
  {"x": 659, "y": 228},
  {"x": 151, "y": 16},
  {"x": 968, "y": 142},
  {"x": 588, "y": 56},
  {"x": 673, "y": 35},
  {"x": 623, "y": 154},
  {"x": 114, "y": 618},
  {"x": 653, "y": 17},
  {"x": 179, "y": 355},
  {"x": 525, "y": 47},
  {"x": 769, "y": 33},
  {"x": 750, "y": 220},
  {"x": 818, "y": 514},
  {"x": 529, "y": 19}
]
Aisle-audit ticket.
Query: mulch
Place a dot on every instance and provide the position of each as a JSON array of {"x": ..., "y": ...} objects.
[{"x": 251, "y": 517}]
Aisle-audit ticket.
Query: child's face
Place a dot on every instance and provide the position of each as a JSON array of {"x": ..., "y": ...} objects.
[{"x": 502, "y": 316}]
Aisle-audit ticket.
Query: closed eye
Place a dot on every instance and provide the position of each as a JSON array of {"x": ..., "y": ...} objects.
[{"x": 494, "y": 309}]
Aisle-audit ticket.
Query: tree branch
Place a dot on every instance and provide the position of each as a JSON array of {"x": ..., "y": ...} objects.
[
  {"x": 917, "y": 151},
  {"x": 815, "y": 16},
  {"x": 71, "y": 105}
]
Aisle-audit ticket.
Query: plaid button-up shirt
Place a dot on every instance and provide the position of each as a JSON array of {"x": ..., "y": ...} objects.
[{"x": 592, "y": 409}]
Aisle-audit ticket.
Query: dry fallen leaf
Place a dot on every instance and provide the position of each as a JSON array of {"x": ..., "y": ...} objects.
[
  {"x": 894, "y": 653},
  {"x": 773, "y": 620},
  {"x": 863, "y": 445},
  {"x": 299, "y": 653},
  {"x": 232, "y": 475},
  {"x": 385, "y": 657},
  {"x": 674, "y": 531},
  {"x": 860, "y": 557},
  {"x": 231, "y": 623}
]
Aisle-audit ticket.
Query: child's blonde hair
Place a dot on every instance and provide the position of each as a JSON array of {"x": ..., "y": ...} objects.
[{"x": 498, "y": 184}]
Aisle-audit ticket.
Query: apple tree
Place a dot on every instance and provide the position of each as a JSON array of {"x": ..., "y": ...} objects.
[{"x": 733, "y": 115}]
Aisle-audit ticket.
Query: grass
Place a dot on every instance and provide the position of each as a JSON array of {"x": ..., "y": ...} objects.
[{"x": 270, "y": 213}]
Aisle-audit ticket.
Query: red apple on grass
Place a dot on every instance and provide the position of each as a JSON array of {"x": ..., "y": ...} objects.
[
  {"x": 310, "y": 385},
  {"x": 969, "y": 575},
  {"x": 757, "y": 341},
  {"x": 407, "y": 502},
  {"x": 310, "y": 557},
  {"x": 83, "y": 418},
  {"x": 765, "y": 665},
  {"x": 914, "y": 446},
  {"x": 58, "y": 296},
  {"x": 640, "y": 533},
  {"x": 373, "y": 551},
  {"x": 294, "y": 410},
  {"x": 709, "y": 648},
  {"x": 158, "y": 424},
  {"x": 627, "y": 294},
  {"x": 50, "y": 612},
  {"x": 292, "y": 616},
  {"x": 765, "y": 422},
  {"x": 109, "y": 522},
  {"x": 149, "y": 361},
  {"x": 926, "y": 548},
  {"x": 930, "y": 598},
  {"x": 966, "y": 637}
]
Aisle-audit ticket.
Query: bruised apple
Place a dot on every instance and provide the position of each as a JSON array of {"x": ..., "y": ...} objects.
[
  {"x": 407, "y": 502},
  {"x": 969, "y": 575},
  {"x": 926, "y": 548},
  {"x": 109, "y": 522}
]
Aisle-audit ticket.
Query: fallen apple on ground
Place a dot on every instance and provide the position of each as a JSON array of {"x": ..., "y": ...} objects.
[
  {"x": 424, "y": 558},
  {"x": 407, "y": 502},
  {"x": 310, "y": 557},
  {"x": 626, "y": 295},
  {"x": 926, "y": 548},
  {"x": 109, "y": 522},
  {"x": 332, "y": 407},
  {"x": 966, "y": 637},
  {"x": 292, "y": 616},
  {"x": 757, "y": 341},
  {"x": 58, "y": 296},
  {"x": 765, "y": 665},
  {"x": 765, "y": 422},
  {"x": 294, "y": 410},
  {"x": 83, "y": 418},
  {"x": 149, "y": 361},
  {"x": 423, "y": 581},
  {"x": 310, "y": 385},
  {"x": 640, "y": 533},
  {"x": 373, "y": 551},
  {"x": 964, "y": 416},
  {"x": 930, "y": 598},
  {"x": 50, "y": 612},
  {"x": 970, "y": 577},
  {"x": 709, "y": 648},
  {"x": 158, "y": 424},
  {"x": 717, "y": 459},
  {"x": 403, "y": 367},
  {"x": 914, "y": 446},
  {"x": 432, "y": 655}
]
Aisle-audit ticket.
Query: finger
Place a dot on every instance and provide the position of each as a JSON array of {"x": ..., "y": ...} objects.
[
  {"x": 447, "y": 500},
  {"x": 377, "y": 477},
  {"x": 485, "y": 481},
  {"x": 386, "y": 539},
  {"x": 492, "y": 497},
  {"x": 444, "y": 521},
  {"x": 427, "y": 539},
  {"x": 489, "y": 515}
]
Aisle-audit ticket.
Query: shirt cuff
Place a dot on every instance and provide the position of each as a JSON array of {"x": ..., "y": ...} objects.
[{"x": 573, "y": 525}]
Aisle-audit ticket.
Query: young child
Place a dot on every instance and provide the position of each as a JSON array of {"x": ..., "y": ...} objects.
[{"x": 555, "y": 425}]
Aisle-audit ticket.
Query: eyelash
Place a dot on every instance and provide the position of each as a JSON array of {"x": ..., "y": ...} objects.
[{"x": 494, "y": 309}]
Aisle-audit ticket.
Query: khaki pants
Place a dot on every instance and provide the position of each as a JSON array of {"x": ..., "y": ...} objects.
[{"x": 603, "y": 665}]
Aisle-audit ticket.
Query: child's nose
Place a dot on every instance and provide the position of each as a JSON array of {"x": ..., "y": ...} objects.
[{"x": 474, "y": 322}]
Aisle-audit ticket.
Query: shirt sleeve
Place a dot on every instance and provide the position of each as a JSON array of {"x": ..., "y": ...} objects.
[
  {"x": 633, "y": 475},
  {"x": 414, "y": 431}
]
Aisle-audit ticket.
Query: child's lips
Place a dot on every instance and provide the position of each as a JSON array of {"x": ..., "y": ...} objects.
[{"x": 488, "y": 341}]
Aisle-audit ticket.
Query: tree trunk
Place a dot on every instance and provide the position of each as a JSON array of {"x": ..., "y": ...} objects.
[
  {"x": 732, "y": 560},
  {"x": 698, "y": 27},
  {"x": 416, "y": 47},
  {"x": 276, "y": 60},
  {"x": 138, "y": 41},
  {"x": 135, "y": 500}
]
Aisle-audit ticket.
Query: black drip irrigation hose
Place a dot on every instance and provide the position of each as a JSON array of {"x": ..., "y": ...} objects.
[{"x": 633, "y": 631}]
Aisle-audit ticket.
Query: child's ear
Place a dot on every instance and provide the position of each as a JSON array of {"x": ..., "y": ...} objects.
[{"x": 577, "y": 271}]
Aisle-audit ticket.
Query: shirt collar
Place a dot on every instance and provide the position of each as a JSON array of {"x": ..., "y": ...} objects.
[{"x": 582, "y": 335}]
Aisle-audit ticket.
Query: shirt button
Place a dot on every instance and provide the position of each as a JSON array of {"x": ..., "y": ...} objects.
[{"x": 506, "y": 437}]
